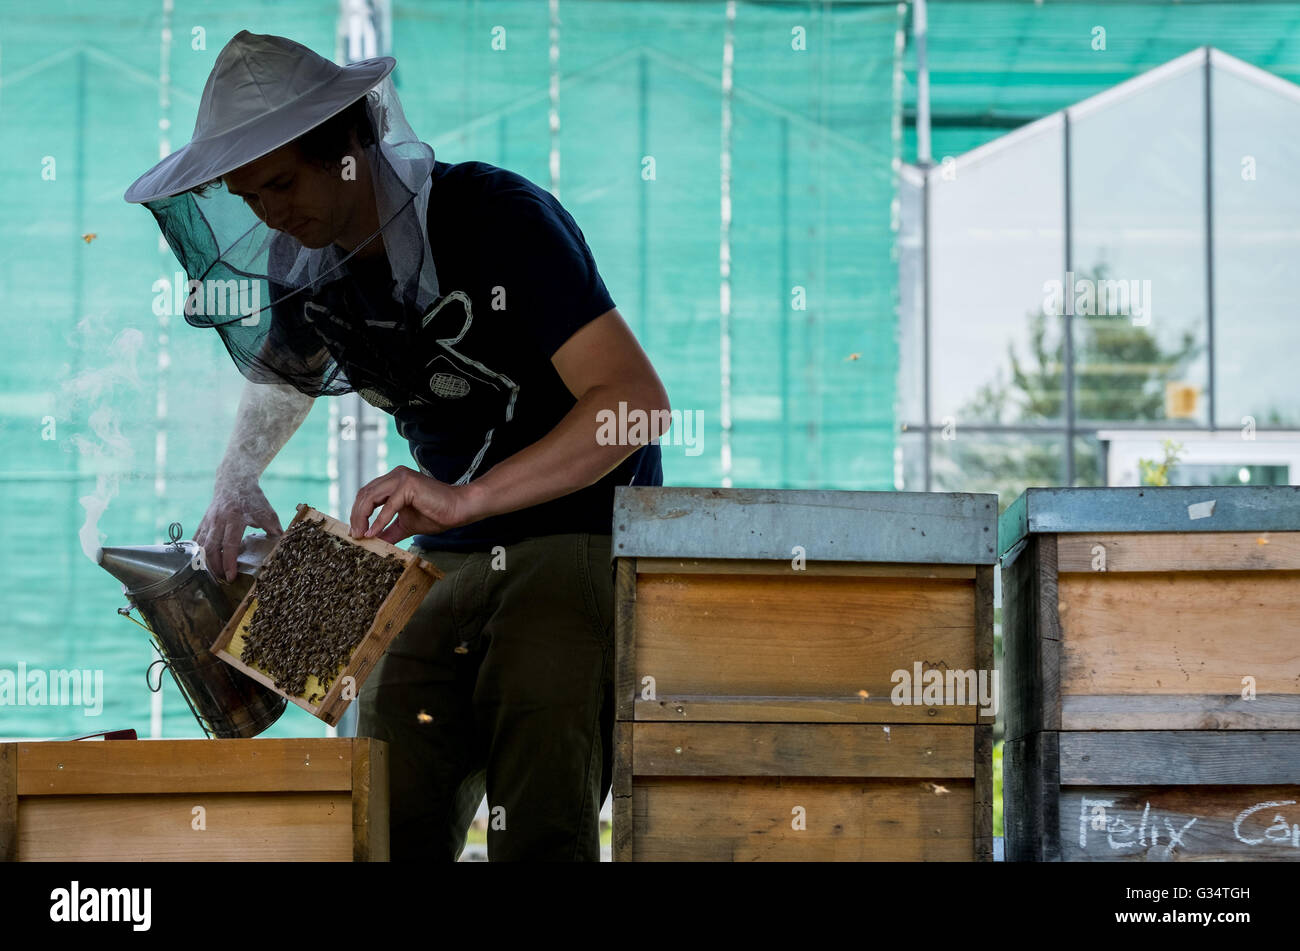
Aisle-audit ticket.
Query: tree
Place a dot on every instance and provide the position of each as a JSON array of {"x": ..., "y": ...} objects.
[{"x": 1120, "y": 375}]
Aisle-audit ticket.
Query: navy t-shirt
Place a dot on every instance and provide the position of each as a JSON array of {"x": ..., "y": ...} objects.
[{"x": 516, "y": 280}]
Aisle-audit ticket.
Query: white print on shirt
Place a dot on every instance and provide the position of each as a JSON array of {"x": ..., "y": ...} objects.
[{"x": 448, "y": 373}]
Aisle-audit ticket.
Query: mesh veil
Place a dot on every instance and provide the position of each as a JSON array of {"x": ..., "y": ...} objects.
[{"x": 255, "y": 285}]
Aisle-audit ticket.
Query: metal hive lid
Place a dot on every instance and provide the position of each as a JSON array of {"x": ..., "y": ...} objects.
[
  {"x": 1175, "y": 508},
  {"x": 953, "y": 528}
]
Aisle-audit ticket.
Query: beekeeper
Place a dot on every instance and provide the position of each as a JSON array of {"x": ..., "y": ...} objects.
[{"x": 463, "y": 300}]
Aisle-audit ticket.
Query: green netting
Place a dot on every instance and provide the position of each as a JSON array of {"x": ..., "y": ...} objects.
[
  {"x": 812, "y": 390},
  {"x": 81, "y": 85},
  {"x": 996, "y": 65},
  {"x": 812, "y": 183}
]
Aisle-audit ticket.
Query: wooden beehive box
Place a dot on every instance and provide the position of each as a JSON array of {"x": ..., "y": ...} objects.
[
  {"x": 396, "y": 609},
  {"x": 1151, "y": 643},
  {"x": 754, "y": 716},
  {"x": 195, "y": 800}
]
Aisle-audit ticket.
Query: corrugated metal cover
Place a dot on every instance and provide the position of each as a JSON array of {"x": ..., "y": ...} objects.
[
  {"x": 1175, "y": 508},
  {"x": 830, "y": 525}
]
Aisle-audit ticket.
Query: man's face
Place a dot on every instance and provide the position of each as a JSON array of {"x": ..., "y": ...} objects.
[{"x": 296, "y": 196}]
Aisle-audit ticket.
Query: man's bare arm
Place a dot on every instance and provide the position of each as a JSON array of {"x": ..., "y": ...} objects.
[{"x": 604, "y": 368}]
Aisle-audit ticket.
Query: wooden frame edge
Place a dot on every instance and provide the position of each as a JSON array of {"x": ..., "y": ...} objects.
[
  {"x": 1178, "y": 552},
  {"x": 411, "y": 588},
  {"x": 8, "y": 802},
  {"x": 983, "y": 826},
  {"x": 623, "y": 833},
  {"x": 625, "y": 639},
  {"x": 369, "y": 800},
  {"x": 1046, "y": 635}
]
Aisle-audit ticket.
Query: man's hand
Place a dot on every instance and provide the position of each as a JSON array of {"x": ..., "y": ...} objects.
[
  {"x": 236, "y": 503},
  {"x": 415, "y": 504}
]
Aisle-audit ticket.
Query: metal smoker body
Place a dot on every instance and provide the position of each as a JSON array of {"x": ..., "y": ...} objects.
[{"x": 185, "y": 609}]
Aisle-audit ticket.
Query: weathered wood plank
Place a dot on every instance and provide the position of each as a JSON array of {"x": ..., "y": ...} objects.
[
  {"x": 1117, "y": 552},
  {"x": 982, "y": 792},
  {"x": 370, "y": 841},
  {"x": 1048, "y": 617},
  {"x": 1019, "y": 685},
  {"x": 626, "y": 687},
  {"x": 623, "y": 833},
  {"x": 1030, "y": 801},
  {"x": 1048, "y": 632},
  {"x": 191, "y": 766},
  {"x": 802, "y": 749},
  {"x": 984, "y": 618},
  {"x": 1018, "y": 806},
  {"x": 1031, "y": 639},
  {"x": 1180, "y": 758},
  {"x": 986, "y": 664},
  {"x": 782, "y": 819},
  {"x": 237, "y": 827},
  {"x": 1180, "y": 823},
  {"x": 1179, "y": 633},
  {"x": 1180, "y": 712},
  {"x": 719, "y": 635},
  {"x": 1048, "y": 769},
  {"x": 8, "y": 802},
  {"x": 786, "y": 709}
]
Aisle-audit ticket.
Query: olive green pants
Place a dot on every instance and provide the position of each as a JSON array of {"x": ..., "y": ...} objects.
[{"x": 501, "y": 683}]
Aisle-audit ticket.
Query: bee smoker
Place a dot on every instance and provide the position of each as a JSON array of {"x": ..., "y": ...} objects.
[{"x": 185, "y": 609}]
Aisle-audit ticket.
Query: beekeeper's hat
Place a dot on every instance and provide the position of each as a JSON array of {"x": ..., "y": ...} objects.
[{"x": 264, "y": 92}]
